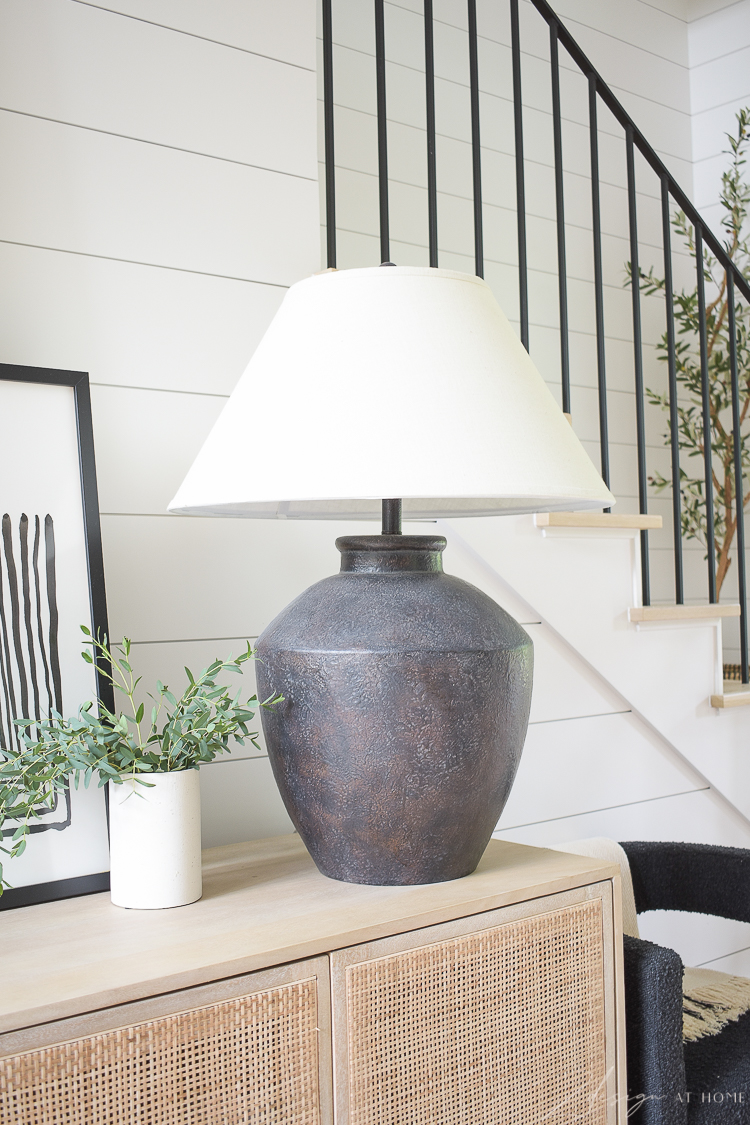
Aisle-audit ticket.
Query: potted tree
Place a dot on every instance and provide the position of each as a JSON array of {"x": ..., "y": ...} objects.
[
  {"x": 151, "y": 770},
  {"x": 735, "y": 200}
]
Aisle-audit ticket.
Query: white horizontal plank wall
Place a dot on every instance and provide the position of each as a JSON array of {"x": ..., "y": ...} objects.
[
  {"x": 159, "y": 195},
  {"x": 719, "y": 46}
]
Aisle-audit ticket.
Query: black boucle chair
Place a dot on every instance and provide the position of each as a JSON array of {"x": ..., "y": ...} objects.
[{"x": 700, "y": 1082}]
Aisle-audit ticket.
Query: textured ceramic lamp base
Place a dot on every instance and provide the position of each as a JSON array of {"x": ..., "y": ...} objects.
[{"x": 407, "y": 696}]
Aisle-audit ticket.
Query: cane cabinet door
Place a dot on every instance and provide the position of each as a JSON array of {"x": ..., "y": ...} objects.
[
  {"x": 252, "y": 1050},
  {"x": 502, "y": 1018}
]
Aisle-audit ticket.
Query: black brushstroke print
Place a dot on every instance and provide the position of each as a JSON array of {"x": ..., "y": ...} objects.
[
  {"x": 39, "y": 626},
  {"x": 6, "y": 736},
  {"x": 3, "y": 737},
  {"x": 54, "y": 655},
  {"x": 15, "y": 616},
  {"x": 23, "y": 529},
  {"x": 10, "y": 673},
  {"x": 6, "y": 666}
]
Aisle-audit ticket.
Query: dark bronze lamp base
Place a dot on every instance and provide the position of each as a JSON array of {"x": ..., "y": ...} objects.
[{"x": 406, "y": 702}]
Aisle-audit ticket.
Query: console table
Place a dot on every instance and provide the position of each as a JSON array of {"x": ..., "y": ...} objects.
[{"x": 285, "y": 998}]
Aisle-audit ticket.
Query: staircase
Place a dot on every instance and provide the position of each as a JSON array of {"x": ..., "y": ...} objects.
[
  {"x": 575, "y": 587},
  {"x": 522, "y": 54}
]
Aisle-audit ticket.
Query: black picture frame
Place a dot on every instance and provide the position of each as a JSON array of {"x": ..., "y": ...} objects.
[{"x": 78, "y": 381}]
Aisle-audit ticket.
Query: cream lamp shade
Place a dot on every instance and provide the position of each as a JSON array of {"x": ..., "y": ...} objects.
[{"x": 403, "y": 382}]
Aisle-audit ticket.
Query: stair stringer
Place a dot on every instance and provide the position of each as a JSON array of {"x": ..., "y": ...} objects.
[{"x": 581, "y": 584}]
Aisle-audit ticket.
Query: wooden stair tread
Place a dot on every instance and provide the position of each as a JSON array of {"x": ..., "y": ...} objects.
[
  {"x": 681, "y": 612},
  {"x": 597, "y": 519},
  {"x": 734, "y": 695}
]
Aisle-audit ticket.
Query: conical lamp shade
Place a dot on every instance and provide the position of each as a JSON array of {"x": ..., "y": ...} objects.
[{"x": 390, "y": 382}]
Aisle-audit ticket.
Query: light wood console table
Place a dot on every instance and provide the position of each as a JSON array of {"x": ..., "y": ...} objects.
[{"x": 285, "y": 998}]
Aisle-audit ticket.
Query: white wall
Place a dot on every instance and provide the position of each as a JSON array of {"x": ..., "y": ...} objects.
[
  {"x": 159, "y": 195},
  {"x": 719, "y": 44}
]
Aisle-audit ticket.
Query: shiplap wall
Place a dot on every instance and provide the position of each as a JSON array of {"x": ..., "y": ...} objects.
[
  {"x": 159, "y": 194},
  {"x": 719, "y": 45}
]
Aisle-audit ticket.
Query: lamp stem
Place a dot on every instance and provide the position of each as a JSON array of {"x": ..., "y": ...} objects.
[{"x": 391, "y": 517}]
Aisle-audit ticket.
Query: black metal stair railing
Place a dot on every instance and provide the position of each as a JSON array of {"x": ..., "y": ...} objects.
[{"x": 671, "y": 194}]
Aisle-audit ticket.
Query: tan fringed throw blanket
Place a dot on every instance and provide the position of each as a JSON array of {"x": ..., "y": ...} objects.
[{"x": 711, "y": 1001}]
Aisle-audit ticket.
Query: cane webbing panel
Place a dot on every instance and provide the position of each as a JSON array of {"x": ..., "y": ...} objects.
[
  {"x": 249, "y": 1061},
  {"x": 500, "y": 1027}
]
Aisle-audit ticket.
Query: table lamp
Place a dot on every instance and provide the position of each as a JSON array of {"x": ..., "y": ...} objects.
[{"x": 378, "y": 393}]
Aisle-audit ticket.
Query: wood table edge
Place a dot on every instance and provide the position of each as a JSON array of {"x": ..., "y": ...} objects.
[{"x": 594, "y": 870}]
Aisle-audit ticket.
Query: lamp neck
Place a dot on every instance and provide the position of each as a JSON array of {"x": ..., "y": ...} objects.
[
  {"x": 391, "y": 554},
  {"x": 391, "y": 517}
]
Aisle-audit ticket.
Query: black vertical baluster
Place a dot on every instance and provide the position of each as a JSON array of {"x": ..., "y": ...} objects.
[
  {"x": 640, "y": 420},
  {"x": 429, "y": 74},
  {"x": 562, "y": 268},
  {"x": 385, "y": 239},
  {"x": 328, "y": 127},
  {"x": 679, "y": 590},
  {"x": 706, "y": 404},
  {"x": 739, "y": 497},
  {"x": 476, "y": 151},
  {"x": 598, "y": 280},
  {"x": 523, "y": 280}
]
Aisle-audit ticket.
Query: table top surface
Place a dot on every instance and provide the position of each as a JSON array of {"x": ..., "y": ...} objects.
[{"x": 264, "y": 903}]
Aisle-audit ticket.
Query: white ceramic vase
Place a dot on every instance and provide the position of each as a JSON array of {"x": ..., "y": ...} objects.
[{"x": 155, "y": 841}]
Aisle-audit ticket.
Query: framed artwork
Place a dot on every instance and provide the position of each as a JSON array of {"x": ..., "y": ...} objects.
[{"x": 51, "y": 583}]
